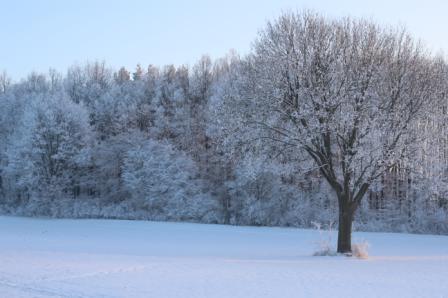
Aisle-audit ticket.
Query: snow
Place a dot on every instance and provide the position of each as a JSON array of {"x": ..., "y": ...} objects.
[{"x": 112, "y": 258}]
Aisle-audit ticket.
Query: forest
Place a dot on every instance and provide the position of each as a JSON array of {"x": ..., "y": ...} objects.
[{"x": 321, "y": 116}]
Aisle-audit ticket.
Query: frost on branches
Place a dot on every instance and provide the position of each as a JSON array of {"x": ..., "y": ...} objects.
[
  {"x": 324, "y": 121},
  {"x": 347, "y": 93}
]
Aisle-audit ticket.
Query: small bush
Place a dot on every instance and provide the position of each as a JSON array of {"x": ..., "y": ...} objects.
[
  {"x": 324, "y": 246},
  {"x": 360, "y": 250}
]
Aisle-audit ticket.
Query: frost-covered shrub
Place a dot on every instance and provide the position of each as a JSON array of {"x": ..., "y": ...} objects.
[
  {"x": 360, "y": 250},
  {"x": 324, "y": 246}
]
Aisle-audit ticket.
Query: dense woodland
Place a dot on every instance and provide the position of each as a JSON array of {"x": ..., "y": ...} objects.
[{"x": 220, "y": 142}]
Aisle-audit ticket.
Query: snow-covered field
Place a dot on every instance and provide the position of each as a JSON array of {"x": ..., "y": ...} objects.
[{"x": 108, "y": 258}]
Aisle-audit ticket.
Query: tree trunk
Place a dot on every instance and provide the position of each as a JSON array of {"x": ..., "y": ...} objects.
[
  {"x": 345, "y": 229},
  {"x": 226, "y": 209}
]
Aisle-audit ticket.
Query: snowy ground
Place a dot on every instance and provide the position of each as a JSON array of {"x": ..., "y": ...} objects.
[{"x": 105, "y": 258}]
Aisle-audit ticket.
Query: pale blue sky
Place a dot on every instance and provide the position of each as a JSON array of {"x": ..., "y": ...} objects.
[{"x": 36, "y": 35}]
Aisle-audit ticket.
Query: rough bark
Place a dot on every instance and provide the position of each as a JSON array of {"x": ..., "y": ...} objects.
[{"x": 345, "y": 228}]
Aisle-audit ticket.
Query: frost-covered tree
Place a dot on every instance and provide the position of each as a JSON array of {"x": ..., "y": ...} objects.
[
  {"x": 86, "y": 84},
  {"x": 11, "y": 109},
  {"x": 122, "y": 76},
  {"x": 347, "y": 93},
  {"x": 138, "y": 74},
  {"x": 5, "y": 82},
  {"x": 244, "y": 140},
  {"x": 164, "y": 183},
  {"x": 43, "y": 152},
  {"x": 107, "y": 161}
]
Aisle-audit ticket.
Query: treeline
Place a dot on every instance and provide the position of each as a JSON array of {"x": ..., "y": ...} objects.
[{"x": 175, "y": 143}]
